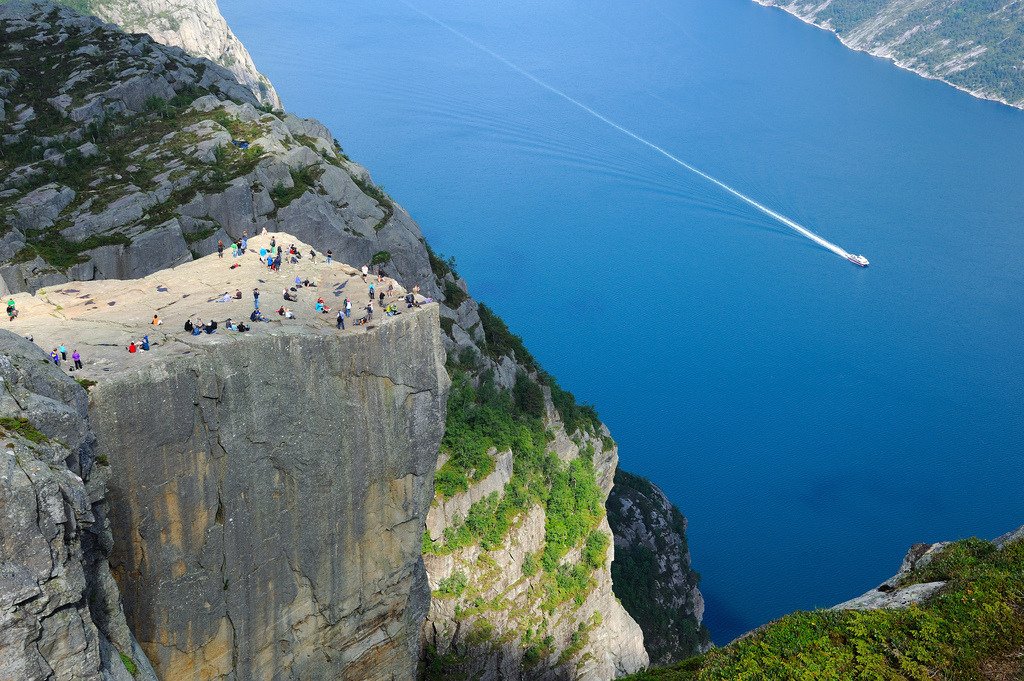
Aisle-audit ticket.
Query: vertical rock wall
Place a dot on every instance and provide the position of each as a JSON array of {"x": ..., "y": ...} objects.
[
  {"x": 60, "y": 612},
  {"x": 652, "y": 572},
  {"x": 270, "y": 498}
]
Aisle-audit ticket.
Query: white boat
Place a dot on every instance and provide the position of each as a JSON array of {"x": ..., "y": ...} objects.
[{"x": 857, "y": 260}]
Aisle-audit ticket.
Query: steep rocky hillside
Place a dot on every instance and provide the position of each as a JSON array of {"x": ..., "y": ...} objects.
[
  {"x": 61, "y": 610},
  {"x": 195, "y": 26},
  {"x": 652, "y": 573},
  {"x": 973, "y": 45},
  {"x": 122, "y": 157},
  {"x": 953, "y": 611},
  {"x": 269, "y": 487}
]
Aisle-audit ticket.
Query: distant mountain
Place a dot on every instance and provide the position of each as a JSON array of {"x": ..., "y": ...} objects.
[{"x": 974, "y": 45}]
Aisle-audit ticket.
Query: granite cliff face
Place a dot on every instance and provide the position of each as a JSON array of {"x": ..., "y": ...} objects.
[
  {"x": 60, "y": 609},
  {"x": 975, "y": 47},
  {"x": 269, "y": 488},
  {"x": 195, "y": 26},
  {"x": 510, "y": 621},
  {"x": 274, "y": 533},
  {"x": 652, "y": 573}
]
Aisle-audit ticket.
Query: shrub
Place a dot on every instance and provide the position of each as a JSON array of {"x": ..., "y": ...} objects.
[
  {"x": 380, "y": 258},
  {"x": 972, "y": 624},
  {"x": 453, "y": 295},
  {"x": 501, "y": 341},
  {"x": 528, "y": 396},
  {"x": 453, "y": 586}
]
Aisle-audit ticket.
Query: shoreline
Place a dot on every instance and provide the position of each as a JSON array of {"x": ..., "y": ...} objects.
[{"x": 891, "y": 59}]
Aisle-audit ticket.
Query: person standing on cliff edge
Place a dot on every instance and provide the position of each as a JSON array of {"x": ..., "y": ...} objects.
[{"x": 341, "y": 320}]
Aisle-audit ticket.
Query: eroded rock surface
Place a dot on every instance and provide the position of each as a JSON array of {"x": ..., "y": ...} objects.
[
  {"x": 195, "y": 26},
  {"x": 269, "y": 488},
  {"x": 652, "y": 572},
  {"x": 60, "y": 610}
]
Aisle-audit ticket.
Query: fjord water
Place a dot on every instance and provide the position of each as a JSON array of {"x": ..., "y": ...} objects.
[{"x": 811, "y": 418}]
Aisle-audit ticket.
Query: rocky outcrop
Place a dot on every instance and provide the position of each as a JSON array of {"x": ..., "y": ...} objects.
[
  {"x": 892, "y": 593},
  {"x": 901, "y": 591},
  {"x": 195, "y": 26},
  {"x": 269, "y": 502},
  {"x": 133, "y": 168},
  {"x": 975, "y": 48},
  {"x": 60, "y": 610},
  {"x": 502, "y": 624},
  {"x": 652, "y": 573}
]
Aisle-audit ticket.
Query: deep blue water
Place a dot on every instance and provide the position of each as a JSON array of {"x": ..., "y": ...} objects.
[{"x": 811, "y": 418}]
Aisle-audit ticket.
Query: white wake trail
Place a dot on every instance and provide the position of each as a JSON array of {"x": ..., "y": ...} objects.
[{"x": 604, "y": 119}]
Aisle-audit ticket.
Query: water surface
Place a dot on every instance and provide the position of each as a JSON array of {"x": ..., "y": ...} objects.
[{"x": 811, "y": 418}]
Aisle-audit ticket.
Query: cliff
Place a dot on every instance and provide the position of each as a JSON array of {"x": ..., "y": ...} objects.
[
  {"x": 974, "y": 47},
  {"x": 652, "y": 574},
  {"x": 270, "y": 487},
  {"x": 61, "y": 610},
  {"x": 519, "y": 561},
  {"x": 122, "y": 166},
  {"x": 196, "y": 26},
  {"x": 952, "y": 611}
]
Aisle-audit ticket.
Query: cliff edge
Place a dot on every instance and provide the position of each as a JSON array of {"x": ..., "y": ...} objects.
[{"x": 270, "y": 486}]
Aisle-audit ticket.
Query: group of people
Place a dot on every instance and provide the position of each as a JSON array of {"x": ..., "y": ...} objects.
[
  {"x": 142, "y": 345},
  {"x": 238, "y": 246},
  {"x": 60, "y": 354},
  {"x": 273, "y": 257}
]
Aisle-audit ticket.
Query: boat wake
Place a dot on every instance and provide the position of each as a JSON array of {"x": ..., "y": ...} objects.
[{"x": 821, "y": 241}]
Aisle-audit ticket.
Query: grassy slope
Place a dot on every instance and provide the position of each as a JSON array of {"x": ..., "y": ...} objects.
[{"x": 972, "y": 629}]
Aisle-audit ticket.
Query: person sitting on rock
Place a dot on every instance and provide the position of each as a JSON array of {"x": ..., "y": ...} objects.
[
  {"x": 157, "y": 321},
  {"x": 238, "y": 294},
  {"x": 229, "y": 325},
  {"x": 131, "y": 347},
  {"x": 145, "y": 343},
  {"x": 188, "y": 325}
]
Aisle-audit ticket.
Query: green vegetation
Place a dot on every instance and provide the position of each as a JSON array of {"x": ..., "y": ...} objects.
[
  {"x": 671, "y": 632},
  {"x": 380, "y": 258},
  {"x": 439, "y": 265},
  {"x": 972, "y": 629},
  {"x": 63, "y": 253},
  {"x": 577, "y": 417},
  {"x": 303, "y": 180},
  {"x": 528, "y": 396},
  {"x": 453, "y": 295},
  {"x": 378, "y": 195},
  {"x": 501, "y": 341},
  {"x": 937, "y": 35},
  {"x": 453, "y": 586},
  {"x": 21, "y": 426},
  {"x": 85, "y": 382},
  {"x": 486, "y": 418},
  {"x": 129, "y": 664}
]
